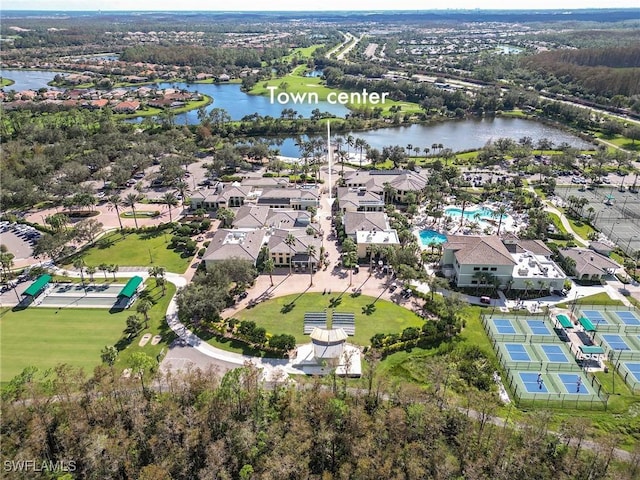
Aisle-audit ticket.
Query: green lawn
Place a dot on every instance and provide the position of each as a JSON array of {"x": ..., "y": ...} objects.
[
  {"x": 302, "y": 52},
  {"x": 597, "y": 299},
  {"x": 387, "y": 318},
  {"x": 582, "y": 229},
  {"x": 135, "y": 249},
  {"x": 5, "y": 82},
  {"x": 157, "y": 324},
  {"x": 296, "y": 83},
  {"x": 45, "y": 337}
]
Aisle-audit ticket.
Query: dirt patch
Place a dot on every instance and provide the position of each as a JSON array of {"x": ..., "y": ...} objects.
[
  {"x": 145, "y": 339},
  {"x": 156, "y": 339}
]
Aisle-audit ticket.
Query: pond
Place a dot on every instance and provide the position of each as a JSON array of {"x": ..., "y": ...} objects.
[
  {"x": 28, "y": 79},
  {"x": 238, "y": 104},
  {"x": 457, "y": 134}
]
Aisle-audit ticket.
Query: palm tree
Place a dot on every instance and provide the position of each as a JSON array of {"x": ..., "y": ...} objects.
[
  {"x": 290, "y": 241},
  {"x": 464, "y": 197},
  {"x": 103, "y": 267},
  {"x": 479, "y": 277},
  {"x": 130, "y": 201},
  {"x": 350, "y": 259},
  {"x": 90, "y": 271},
  {"x": 170, "y": 200},
  {"x": 350, "y": 142},
  {"x": 527, "y": 285},
  {"x": 500, "y": 213},
  {"x": 143, "y": 307},
  {"x": 114, "y": 203},
  {"x": 342, "y": 156},
  {"x": 156, "y": 271},
  {"x": 268, "y": 267},
  {"x": 389, "y": 193},
  {"x": 113, "y": 268},
  {"x": 78, "y": 264},
  {"x": 360, "y": 144},
  {"x": 226, "y": 216},
  {"x": 311, "y": 252}
]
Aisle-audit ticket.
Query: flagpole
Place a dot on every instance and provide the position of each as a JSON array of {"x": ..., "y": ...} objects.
[{"x": 329, "y": 157}]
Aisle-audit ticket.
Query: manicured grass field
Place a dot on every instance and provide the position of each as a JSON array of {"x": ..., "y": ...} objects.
[
  {"x": 45, "y": 337},
  {"x": 136, "y": 249},
  {"x": 387, "y": 317},
  {"x": 298, "y": 84},
  {"x": 157, "y": 324}
]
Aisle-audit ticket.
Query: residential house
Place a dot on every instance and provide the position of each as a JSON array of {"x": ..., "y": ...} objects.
[{"x": 127, "y": 107}]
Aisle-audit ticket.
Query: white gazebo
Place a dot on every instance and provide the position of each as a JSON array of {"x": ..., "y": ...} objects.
[{"x": 329, "y": 351}]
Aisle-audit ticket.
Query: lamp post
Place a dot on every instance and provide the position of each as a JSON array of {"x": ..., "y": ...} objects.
[{"x": 629, "y": 244}]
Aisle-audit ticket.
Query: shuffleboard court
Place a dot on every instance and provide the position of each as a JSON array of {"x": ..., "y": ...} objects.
[
  {"x": 533, "y": 382},
  {"x": 504, "y": 326},
  {"x": 596, "y": 317},
  {"x": 574, "y": 384},
  {"x": 554, "y": 353},
  {"x": 615, "y": 342},
  {"x": 517, "y": 352},
  {"x": 628, "y": 318},
  {"x": 634, "y": 369},
  {"x": 538, "y": 327}
]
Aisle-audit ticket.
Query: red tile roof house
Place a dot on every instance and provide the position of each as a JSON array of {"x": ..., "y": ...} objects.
[{"x": 126, "y": 107}]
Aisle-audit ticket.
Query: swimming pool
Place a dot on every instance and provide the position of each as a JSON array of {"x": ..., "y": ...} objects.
[
  {"x": 483, "y": 212},
  {"x": 427, "y": 237}
]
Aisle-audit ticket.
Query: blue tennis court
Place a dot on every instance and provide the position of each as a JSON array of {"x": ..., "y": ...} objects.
[
  {"x": 538, "y": 327},
  {"x": 628, "y": 318},
  {"x": 615, "y": 342},
  {"x": 517, "y": 352},
  {"x": 554, "y": 353},
  {"x": 574, "y": 383},
  {"x": 634, "y": 369},
  {"x": 531, "y": 383},
  {"x": 595, "y": 316},
  {"x": 504, "y": 326}
]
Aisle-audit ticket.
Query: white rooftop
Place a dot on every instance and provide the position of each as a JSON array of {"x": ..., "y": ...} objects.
[
  {"x": 536, "y": 267},
  {"x": 389, "y": 237}
]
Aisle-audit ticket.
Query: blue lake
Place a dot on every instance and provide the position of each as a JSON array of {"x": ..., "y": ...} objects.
[{"x": 455, "y": 134}]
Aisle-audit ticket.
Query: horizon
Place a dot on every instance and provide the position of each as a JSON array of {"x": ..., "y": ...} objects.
[{"x": 372, "y": 6}]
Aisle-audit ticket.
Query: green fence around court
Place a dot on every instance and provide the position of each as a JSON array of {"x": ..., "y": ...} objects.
[
  {"x": 539, "y": 362},
  {"x": 522, "y": 398}
]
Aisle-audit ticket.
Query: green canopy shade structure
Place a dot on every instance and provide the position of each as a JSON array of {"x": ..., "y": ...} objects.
[
  {"x": 131, "y": 287},
  {"x": 38, "y": 285},
  {"x": 587, "y": 325},
  {"x": 592, "y": 349},
  {"x": 564, "y": 321}
]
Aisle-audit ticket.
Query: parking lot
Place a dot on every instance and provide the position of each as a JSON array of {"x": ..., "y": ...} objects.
[
  {"x": 615, "y": 213},
  {"x": 19, "y": 239}
]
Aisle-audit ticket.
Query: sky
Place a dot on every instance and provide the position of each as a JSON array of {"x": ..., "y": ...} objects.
[{"x": 298, "y": 5}]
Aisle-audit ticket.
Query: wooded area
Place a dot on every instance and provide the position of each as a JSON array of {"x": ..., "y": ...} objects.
[{"x": 200, "y": 426}]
